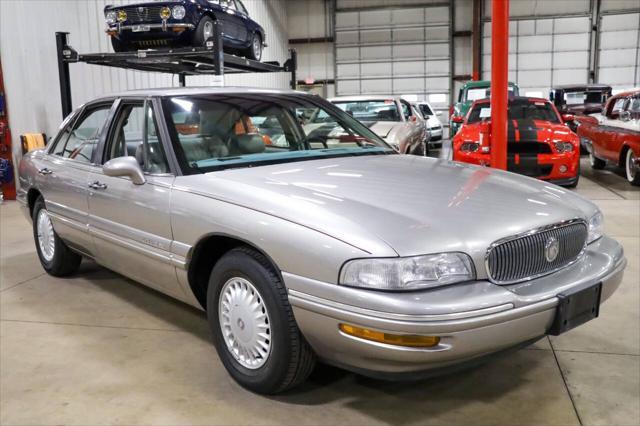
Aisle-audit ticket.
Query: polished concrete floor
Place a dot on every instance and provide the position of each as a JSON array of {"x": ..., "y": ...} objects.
[{"x": 98, "y": 349}]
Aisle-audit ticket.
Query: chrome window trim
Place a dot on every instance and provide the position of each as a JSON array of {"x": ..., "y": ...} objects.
[{"x": 529, "y": 233}]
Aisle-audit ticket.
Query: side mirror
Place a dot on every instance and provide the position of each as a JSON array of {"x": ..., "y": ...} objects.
[
  {"x": 568, "y": 117},
  {"x": 625, "y": 116},
  {"x": 124, "y": 166}
]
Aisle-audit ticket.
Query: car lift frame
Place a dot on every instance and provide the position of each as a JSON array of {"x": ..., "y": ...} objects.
[{"x": 207, "y": 60}]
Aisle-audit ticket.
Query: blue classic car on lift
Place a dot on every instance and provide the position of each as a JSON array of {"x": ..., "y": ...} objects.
[{"x": 182, "y": 23}]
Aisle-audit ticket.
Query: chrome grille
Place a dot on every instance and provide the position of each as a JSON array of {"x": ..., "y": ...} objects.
[
  {"x": 143, "y": 13},
  {"x": 523, "y": 257}
]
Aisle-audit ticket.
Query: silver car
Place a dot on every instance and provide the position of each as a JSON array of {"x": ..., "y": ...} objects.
[
  {"x": 392, "y": 118},
  {"x": 388, "y": 265}
]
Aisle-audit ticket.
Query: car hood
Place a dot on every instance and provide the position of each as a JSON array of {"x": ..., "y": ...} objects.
[
  {"x": 382, "y": 128},
  {"x": 412, "y": 205},
  {"x": 521, "y": 130}
]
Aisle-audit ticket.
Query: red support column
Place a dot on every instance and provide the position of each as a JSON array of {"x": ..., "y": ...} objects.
[{"x": 499, "y": 82}]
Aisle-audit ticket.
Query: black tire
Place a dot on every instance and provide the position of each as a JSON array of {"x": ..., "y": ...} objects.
[
  {"x": 64, "y": 261},
  {"x": 595, "y": 162},
  {"x": 630, "y": 169},
  {"x": 255, "y": 48},
  {"x": 119, "y": 46},
  {"x": 291, "y": 359},
  {"x": 200, "y": 36}
]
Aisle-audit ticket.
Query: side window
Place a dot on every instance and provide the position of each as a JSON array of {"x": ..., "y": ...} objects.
[
  {"x": 241, "y": 7},
  {"x": 618, "y": 105},
  {"x": 79, "y": 141},
  {"x": 136, "y": 135},
  {"x": 228, "y": 4},
  {"x": 406, "y": 110}
]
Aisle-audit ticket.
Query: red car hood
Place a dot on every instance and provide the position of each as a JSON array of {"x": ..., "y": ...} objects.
[{"x": 523, "y": 130}]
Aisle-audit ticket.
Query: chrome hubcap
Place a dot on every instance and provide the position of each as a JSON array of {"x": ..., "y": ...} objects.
[
  {"x": 245, "y": 323},
  {"x": 46, "y": 237},
  {"x": 257, "y": 51},
  {"x": 631, "y": 165},
  {"x": 208, "y": 30}
]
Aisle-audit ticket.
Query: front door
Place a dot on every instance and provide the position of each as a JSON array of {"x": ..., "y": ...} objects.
[
  {"x": 130, "y": 223},
  {"x": 63, "y": 171}
]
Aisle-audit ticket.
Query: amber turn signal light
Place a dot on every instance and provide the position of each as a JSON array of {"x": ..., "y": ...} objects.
[{"x": 410, "y": 340}]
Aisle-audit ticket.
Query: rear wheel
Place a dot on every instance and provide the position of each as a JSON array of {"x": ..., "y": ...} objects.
[
  {"x": 55, "y": 257},
  {"x": 595, "y": 162},
  {"x": 252, "y": 323},
  {"x": 631, "y": 169}
]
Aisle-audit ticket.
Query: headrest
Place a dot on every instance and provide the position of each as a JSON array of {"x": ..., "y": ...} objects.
[{"x": 251, "y": 143}]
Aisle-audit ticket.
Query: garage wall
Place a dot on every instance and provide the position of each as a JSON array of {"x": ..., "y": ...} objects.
[
  {"x": 619, "y": 50},
  {"x": 394, "y": 50},
  {"x": 27, "y": 48},
  {"x": 313, "y": 19},
  {"x": 544, "y": 53}
]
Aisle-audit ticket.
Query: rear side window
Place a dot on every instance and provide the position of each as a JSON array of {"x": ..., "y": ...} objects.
[{"x": 79, "y": 140}]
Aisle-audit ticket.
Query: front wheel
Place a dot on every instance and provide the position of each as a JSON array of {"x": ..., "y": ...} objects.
[
  {"x": 203, "y": 32},
  {"x": 119, "y": 46},
  {"x": 255, "y": 50},
  {"x": 252, "y": 324},
  {"x": 631, "y": 169},
  {"x": 55, "y": 257}
]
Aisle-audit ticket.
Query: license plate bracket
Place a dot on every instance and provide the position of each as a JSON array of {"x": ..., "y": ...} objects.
[
  {"x": 140, "y": 28},
  {"x": 575, "y": 308}
]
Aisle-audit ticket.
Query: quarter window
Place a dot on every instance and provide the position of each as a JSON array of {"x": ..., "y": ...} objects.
[
  {"x": 618, "y": 106},
  {"x": 241, "y": 7},
  {"x": 78, "y": 142}
]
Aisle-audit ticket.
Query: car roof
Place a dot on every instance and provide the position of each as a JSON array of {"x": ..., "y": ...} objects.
[
  {"x": 184, "y": 91},
  {"x": 516, "y": 99},
  {"x": 363, "y": 98},
  {"x": 627, "y": 93},
  {"x": 581, "y": 87},
  {"x": 481, "y": 83}
]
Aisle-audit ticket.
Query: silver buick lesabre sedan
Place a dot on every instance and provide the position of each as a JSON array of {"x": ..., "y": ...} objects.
[{"x": 302, "y": 248}]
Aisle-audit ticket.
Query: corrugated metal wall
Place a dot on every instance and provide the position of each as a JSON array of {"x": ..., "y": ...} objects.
[{"x": 27, "y": 46}]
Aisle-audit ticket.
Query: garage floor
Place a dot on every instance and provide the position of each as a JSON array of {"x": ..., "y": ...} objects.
[{"x": 99, "y": 349}]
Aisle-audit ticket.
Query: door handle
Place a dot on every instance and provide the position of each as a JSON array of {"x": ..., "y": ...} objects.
[
  {"x": 45, "y": 171},
  {"x": 98, "y": 185}
]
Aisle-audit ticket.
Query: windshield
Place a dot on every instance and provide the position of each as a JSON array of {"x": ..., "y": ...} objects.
[
  {"x": 475, "y": 93},
  {"x": 426, "y": 111},
  {"x": 518, "y": 110},
  {"x": 213, "y": 132},
  {"x": 380, "y": 110}
]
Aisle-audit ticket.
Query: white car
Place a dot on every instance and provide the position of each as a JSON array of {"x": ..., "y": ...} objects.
[
  {"x": 434, "y": 125},
  {"x": 390, "y": 117}
]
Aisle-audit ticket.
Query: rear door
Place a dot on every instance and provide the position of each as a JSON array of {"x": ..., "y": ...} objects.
[
  {"x": 130, "y": 224},
  {"x": 64, "y": 170}
]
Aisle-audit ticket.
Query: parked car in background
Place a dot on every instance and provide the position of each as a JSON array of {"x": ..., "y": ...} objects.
[
  {"x": 388, "y": 265},
  {"x": 470, "y": 92},
  {"x": 614, "y": 135},
  {"x": 183, "y": 23},
  {"x": 579, "y": 99},
  {"x": 434, "y": 125},
  {"x": 539, "y": 144},
  {"x": 391, "y": 118}
]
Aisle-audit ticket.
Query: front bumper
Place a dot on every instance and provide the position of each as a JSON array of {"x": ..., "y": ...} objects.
[
  {"x": 472, "y": 319},
  {"x": 165, "y": 26}
]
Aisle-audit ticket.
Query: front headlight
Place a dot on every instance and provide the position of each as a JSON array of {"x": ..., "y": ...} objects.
[
  {"x": 596, "y": 227},
  {"x": 178, "y": 12},
  {"x": 111, "y": 17},
  {"x": 563, "y": 146},
  {"x": 408, "y": 273},
  {"x": 122, "y": 16},
  {"x": 165, "y": 13}
]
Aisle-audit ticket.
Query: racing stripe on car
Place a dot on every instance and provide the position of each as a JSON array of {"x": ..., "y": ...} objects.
[{"x": 528, "y": 130}]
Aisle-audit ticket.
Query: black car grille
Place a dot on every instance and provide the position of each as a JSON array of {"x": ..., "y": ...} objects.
[
  {"x": 524, "y": 257},
  {"x": 528, "y": 148},
  {"x": 528, "y": 166},
  {"x": 143, "y": 14}
]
